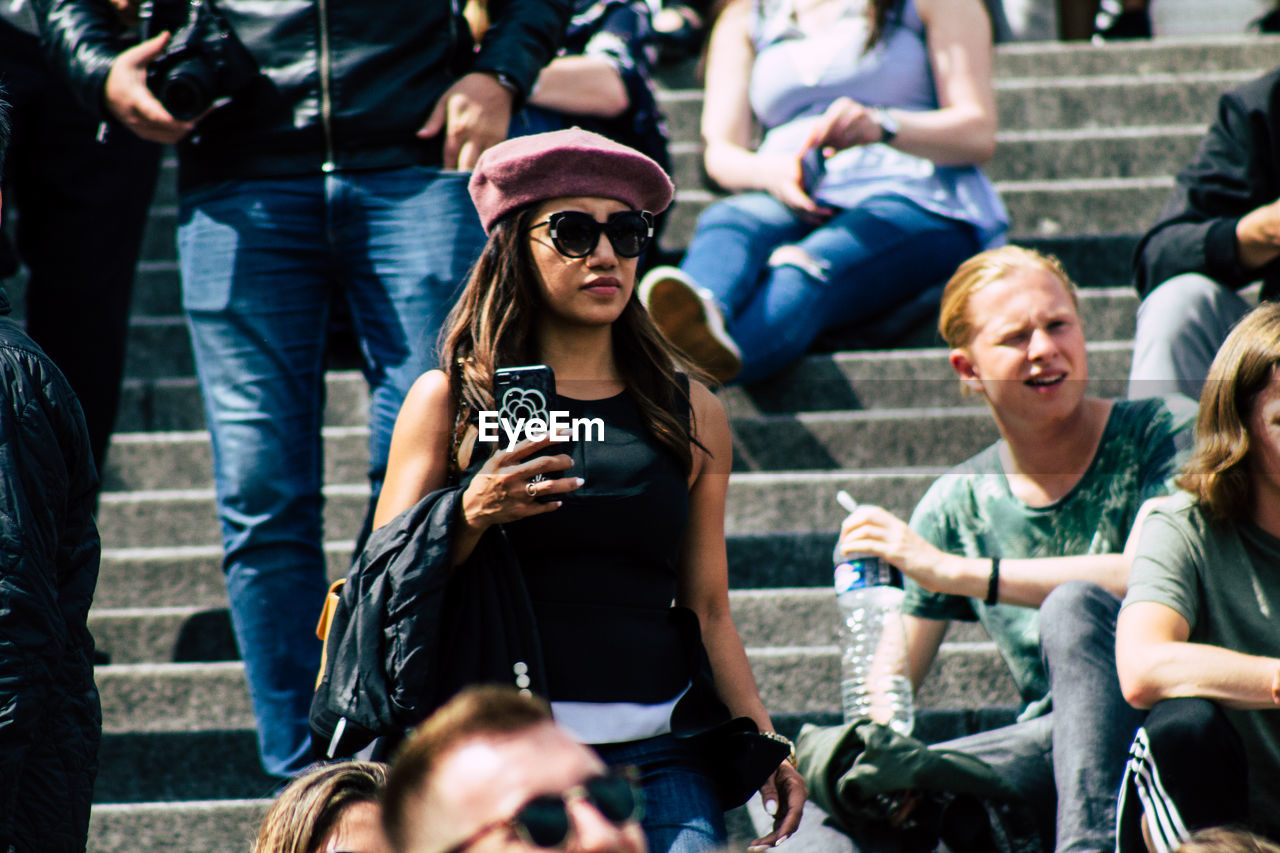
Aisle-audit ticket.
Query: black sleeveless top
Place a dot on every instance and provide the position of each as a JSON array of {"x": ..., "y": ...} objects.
[{"x": 601, "y": 569}]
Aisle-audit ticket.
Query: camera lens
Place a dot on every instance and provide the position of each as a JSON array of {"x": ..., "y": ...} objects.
[{"x": 188, "y": 90}]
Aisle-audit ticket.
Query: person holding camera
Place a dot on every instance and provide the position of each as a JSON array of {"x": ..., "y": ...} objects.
[
  {"x": 322, "y": 149},
  {"x": 83, "y": 191}
]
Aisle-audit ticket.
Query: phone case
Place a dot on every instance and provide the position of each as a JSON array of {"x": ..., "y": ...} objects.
[{"x": 521, "y": 394}]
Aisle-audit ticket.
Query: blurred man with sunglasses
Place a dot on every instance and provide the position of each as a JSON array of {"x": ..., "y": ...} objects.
[{"x": 491, "y": 771}]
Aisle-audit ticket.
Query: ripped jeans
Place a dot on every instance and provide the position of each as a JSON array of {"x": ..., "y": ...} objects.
[{"x": 861, "y": 263}]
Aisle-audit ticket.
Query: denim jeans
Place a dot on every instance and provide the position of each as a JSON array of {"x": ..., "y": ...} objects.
[
  {"x": 260, "y": 261},
  {"x": 681, "y": 812},
  {"x": 861, "y": 263},
  {"x": 1070, "y": 761},
  {"x": 1181, "y": 324}
]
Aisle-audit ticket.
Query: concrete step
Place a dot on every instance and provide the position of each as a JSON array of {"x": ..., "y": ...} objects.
[
  {"x": 791, "y": 502},
  {"x": 891, "y": 379},
  {"x": 1106, "y": 100},
  {"x": 173, "y": 697},
  {"x": 153, "y": 767},
  {"x": 204, "y": 697},
  {"x": 808, "y": 441},
  {"x": 1036, "y": 209},
  {"x": 1076, "y": 206},
  {"x": 1042, "y": 155},
  {"x": 160, "y": 340},
  {"x": 1051, "y": 60},
  {"x": 227, "y": 826},
  {"x": 1113, "y": 100},
  {"x": 873, "y": 379},
  {"x": 190, "y": 578},
  {"x": 160, "y": 347},
  {"x": 173, "y": 403},
  {"x": 177, "y": 578},
  {"x": 806, "y": 679},
  {"x": 1237, "y": 52},
  {"x": 184, "y": 460},
  {"x": 785, "y": 616},
  {"x": 1113, "y": 152}
]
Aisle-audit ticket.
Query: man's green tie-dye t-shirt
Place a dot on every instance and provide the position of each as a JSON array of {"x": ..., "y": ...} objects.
[{"x": 971, "y": 511}]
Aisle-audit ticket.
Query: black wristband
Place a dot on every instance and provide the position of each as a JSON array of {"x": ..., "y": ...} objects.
[{"x": 993, "y": 583}]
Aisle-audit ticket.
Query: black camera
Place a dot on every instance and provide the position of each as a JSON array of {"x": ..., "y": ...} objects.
[{"x": 203, "y": 62}]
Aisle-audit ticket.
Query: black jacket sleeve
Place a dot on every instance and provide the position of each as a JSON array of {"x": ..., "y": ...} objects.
[
  {"x": 523, "y": 36},
  {"x": 49, "y": 551},
  {"x": 1234, "y": 172},
  {"x": 82, "y": 38}
]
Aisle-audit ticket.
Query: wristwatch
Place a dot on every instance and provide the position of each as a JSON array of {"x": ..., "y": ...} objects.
[{"x": 888, "y": 124}]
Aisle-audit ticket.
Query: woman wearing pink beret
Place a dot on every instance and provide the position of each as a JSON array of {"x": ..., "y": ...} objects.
[{"x": 612, "y": 527}]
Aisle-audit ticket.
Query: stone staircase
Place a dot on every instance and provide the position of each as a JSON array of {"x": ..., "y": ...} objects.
[{"x": 1090, "y": 139}]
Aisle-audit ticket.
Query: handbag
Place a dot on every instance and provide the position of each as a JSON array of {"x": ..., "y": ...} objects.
[{"x": 738, "y": 757}]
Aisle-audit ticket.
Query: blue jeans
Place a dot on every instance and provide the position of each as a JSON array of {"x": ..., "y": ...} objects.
[
  {"x": 1069, "y": 763},
  {"x": 681, "y": 812},
  {"x": 1181, "y": 324},
  {"x": 861, "y": 263},
  {"x": 260, "y": 261}
]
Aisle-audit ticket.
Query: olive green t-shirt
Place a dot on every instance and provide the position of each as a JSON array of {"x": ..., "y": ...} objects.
[
  {"x": 972, "y": 511},
  {"x": 1224, "y": 579}
]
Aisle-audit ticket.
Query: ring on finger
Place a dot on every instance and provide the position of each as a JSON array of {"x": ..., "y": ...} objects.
[{"x": 531, "y": 489}]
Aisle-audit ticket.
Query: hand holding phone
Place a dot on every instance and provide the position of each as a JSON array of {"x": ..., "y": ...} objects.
[
  {"x": 523, "y": 395},
  {"x": 813, "y": 167}
]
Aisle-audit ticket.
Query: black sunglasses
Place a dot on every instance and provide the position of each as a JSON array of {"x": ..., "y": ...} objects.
[
  {"x": 544, "y": 821},
  {"x": 575, "y": 234}
]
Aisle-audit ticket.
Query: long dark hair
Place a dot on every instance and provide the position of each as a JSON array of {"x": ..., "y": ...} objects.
[
  {"x": 882, "y": 11},
  {"x": 493, "y": 325}
]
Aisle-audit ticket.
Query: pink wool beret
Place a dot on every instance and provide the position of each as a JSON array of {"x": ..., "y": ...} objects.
[{"x": 572, "y": 162}]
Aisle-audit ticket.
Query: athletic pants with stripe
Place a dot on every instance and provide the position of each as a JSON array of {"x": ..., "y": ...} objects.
[{"x": 1186, "y": 771}]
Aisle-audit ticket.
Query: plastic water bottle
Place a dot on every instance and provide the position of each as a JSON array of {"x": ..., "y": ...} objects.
[{"x": 874, "y": 679}]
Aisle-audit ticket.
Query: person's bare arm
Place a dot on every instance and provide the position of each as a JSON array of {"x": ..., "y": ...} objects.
[
  {"x": 924, "y": 638},
  {"x": 703, "y": 587},
  {"x": 1022, "y": 581},
  {"x": 962, "y": 130},
  {"x": 727, "y": 121},
  {"x": 418, "y": 464},
  {"x": 1155, "y": 661},
  {"x": 583, "y": 85}
]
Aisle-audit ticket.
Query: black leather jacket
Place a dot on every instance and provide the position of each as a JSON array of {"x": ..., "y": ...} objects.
[
  {"x": 345, "y": 83},
  {"x": 50, "y": 721}
]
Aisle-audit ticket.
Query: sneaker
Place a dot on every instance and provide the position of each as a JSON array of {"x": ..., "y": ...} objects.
[
  {"x": 1113, "y": 23},
  {"x": 691, "y": 320},
  {"x": 1267, "y": 23}
]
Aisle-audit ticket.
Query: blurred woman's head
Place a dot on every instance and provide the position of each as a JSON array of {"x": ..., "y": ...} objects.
[
  {"x": 332, "y": 807},
  {"x": 1234, "y": 437}
]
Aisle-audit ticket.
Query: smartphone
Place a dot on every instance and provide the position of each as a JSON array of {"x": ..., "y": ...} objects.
[
  {"x": 522, "y": 394},
  {"x": 813, "y": 166}
]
